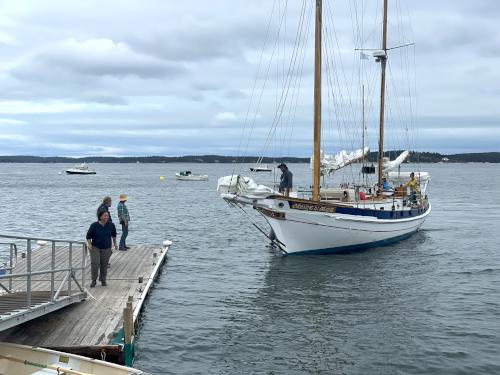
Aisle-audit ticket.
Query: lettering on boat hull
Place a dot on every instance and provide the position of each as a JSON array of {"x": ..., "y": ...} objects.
[
  {"x": 312, "y": 207},
  {"x": 272, "y": 214}
]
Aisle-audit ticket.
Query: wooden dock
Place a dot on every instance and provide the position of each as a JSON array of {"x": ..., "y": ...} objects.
[{"x": 101, "y": 325}]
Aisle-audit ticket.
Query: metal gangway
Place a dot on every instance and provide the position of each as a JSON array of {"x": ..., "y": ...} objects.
[{"x": 39, "y": 276}]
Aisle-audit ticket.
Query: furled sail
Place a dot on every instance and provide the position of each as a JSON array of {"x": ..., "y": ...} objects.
[
  {"x": 242, "y": 186},
  {"x": 331, "y": 163},
  {"x": 391, "y": 165}
]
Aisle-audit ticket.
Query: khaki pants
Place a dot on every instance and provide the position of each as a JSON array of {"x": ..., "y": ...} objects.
[{"x": 99, "y": 259}]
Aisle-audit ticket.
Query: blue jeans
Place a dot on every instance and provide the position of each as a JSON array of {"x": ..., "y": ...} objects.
[{"x": 122, "y": 245}]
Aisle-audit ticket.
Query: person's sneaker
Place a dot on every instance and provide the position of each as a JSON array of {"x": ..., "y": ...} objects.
[
  {"x": 93, "y": 284},
  {"x": 127, "y": 247},
  {"x": 104, "y": 283}
]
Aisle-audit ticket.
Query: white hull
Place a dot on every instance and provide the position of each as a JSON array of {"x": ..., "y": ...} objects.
[
  {"x": 310, "y": 232},
  {"x": 44, "y": 361},
  {"x": 195, "y": 177},
  {"x": 80, "y": 169}
]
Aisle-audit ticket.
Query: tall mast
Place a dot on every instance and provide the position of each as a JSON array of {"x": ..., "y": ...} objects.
[
  {"x": 363, "y": 123},
  {"x": 317, "y": 102},
  {"x": 383, "y": 61}
]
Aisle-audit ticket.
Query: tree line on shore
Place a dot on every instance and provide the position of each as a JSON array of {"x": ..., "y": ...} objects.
[{"x": 415, "y": 157}]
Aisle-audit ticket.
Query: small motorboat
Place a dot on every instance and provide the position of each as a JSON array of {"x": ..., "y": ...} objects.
[
  {"x": 189, "y": 176},
  {"x": 23, "y": 360},
  {"x": 80, "y": 169},
  {"x": 260, "y": 168}
]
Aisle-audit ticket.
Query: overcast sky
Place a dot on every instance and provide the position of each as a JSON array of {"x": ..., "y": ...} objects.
[{"x": 165, "y": 77}]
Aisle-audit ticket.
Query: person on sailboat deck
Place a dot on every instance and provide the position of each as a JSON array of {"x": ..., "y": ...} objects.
[
  {"x": 385, "y": 184},
  {"x": 285, "y": 180},
  {"x": 414, "y": 186}
]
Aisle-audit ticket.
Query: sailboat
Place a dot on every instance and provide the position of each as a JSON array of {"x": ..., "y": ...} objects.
[{"x": 340, "y": 219}]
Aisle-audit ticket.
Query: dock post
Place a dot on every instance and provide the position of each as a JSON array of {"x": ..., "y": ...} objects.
[
  {"x": 128, "y": 333},
  {"x": 28, "y": 278},
  {"x": 52, "y": 268}
]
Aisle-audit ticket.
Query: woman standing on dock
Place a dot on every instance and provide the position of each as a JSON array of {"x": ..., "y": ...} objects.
[{"x": 99, "y": 237}]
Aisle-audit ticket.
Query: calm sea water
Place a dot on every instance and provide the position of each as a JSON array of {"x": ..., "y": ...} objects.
[{"x": 226, "y": 303}]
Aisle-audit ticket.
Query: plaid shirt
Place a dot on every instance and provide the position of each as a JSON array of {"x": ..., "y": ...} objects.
[{"x": 123, "y": 212}]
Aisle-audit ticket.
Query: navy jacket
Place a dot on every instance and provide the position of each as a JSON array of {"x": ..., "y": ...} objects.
[
  {"x": 286, "y": 180},
  {"x": 101, "y": 235}
]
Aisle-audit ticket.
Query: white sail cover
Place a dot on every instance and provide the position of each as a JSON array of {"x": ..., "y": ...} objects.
[
  {"x": 331, "y": 163},
  {"x": 242, "y": 186},
  {"x": 391, "y": 165}
]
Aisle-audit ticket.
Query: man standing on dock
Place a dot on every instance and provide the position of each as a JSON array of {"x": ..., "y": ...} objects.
[
  {"x": 99, "y": 237},
  {"x": 124, "y": 218}
]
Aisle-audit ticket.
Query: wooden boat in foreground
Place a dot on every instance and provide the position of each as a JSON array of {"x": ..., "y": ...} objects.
[{"x": 23, "y": 360}]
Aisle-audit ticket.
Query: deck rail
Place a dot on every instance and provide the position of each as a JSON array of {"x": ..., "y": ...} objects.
[{"x": 19, "y": 300}]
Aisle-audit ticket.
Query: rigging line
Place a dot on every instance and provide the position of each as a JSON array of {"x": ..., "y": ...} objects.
[
  {"x": 263, "y": 87},
  {"x": 250, "y": 218},
  {"x": 299, "y": 79},
  {"x": 284, "y": 94},
  {"x": 342, "y": 109},
  {"x": 255, "y": 81},
  {"x": 264, "y": 84},
  {"x": 349, "y": 104}
]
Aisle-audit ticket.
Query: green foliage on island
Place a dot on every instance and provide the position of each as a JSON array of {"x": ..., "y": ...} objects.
[{"x": 415, "y": 157}]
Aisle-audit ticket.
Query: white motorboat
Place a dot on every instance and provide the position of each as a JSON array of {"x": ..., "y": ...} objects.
[
  {"x": 23, "y": 360},
  {"x": 189, "y": 176},
  {"x": 354, "y": 216},
  {"x": 260, "y": 168},
  {"x": 80, "y": 169}
]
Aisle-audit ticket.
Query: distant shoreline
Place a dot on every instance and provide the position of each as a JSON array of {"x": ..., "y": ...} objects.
[{"x": 420, "y": 157}]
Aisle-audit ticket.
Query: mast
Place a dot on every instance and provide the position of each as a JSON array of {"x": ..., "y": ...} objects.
[
  {"x": 317, "y": 102},
  {"x": 363, "y": 123},
  {"x": 383, "y": 59}
]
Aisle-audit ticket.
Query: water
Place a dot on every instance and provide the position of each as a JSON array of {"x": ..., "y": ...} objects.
[{"x": 226, "y": 303}]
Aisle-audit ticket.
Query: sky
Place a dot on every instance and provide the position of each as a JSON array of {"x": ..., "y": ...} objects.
[{"x": 172, "y": 78}]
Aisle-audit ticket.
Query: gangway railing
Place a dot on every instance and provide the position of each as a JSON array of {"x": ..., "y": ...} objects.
[{"x": 24, "y": 292}]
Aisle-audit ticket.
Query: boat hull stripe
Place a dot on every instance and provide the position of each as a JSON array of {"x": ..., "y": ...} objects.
[{"x": 352, "y": 248}]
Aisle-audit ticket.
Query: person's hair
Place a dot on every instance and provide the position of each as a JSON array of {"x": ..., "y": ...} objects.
[
  {"x": 100, "y": 213},
  {"x": 106, "y": 200}
]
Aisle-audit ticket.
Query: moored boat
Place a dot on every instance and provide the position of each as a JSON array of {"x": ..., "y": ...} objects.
[
  {"x": 189, "y": 176},
  {"x": 260, "y": 168},
  {"x": 82, "y": 168}
]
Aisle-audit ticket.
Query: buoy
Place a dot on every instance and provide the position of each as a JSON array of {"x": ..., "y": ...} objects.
[{"x": 162, "y": 178}]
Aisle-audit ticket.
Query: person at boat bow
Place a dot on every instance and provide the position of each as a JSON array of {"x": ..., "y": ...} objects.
[
  {"x": 99, "y": 237},
  {"x": 285, "y": 180}
]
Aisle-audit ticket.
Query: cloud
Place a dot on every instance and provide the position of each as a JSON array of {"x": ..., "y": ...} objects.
[
  {"x": 95, "y": 58},
  {"x": 225, "y": 116},
  {"x": 7, "y": 121}
]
